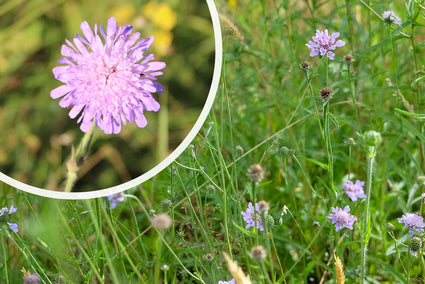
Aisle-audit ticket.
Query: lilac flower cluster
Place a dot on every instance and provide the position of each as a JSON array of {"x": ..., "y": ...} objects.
[
  {"x": 354, "y": 190},
  {"x": 390, "y": 17},
  {"x": 341, "y": 218},
  {"x": 251, "y": 218},
  {"x": 114, "y": 199},
  {"x": 323, "y": 43},
  {"x": 108, "y": 82},
  {"x": 5, "y": 218},
  {"x": 414, "y": 222}
]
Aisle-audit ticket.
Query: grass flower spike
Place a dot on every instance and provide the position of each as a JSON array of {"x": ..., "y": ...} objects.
[
  {"x": 414, "y": 222},
  {"x": 323, "y": 43},
  {"x": 341, "y": 218},
  {"x": 354, "y": 190},
  {"x": 5, "y": 218},
  {"x": 253, "y": 219},
  {"x": 108, "y": 81}
]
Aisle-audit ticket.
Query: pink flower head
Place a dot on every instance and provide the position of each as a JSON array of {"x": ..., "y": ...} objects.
[
  {"x": 324, "y": 43},
  {"x": 354, "y": 190},
  {"x": 341, "y": 218},
  {"x": 108, "y": 81},
  {"x": 414, "y": 222}
]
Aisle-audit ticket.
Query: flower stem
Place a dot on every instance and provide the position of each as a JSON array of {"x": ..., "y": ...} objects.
[
  {"x": 3, "y": 244},
  {"x": 366, "y": 228},
  {"x": 77, "y": 158},
  {"x": 328, "y": 143},
  {"x": 353, "y": 97}
]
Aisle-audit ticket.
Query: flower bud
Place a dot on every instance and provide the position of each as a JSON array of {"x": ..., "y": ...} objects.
[
  {"x": 372, "y": 138},
  {"x": 255, "y": 173},
  {"x": 390, "y": 227},
  {"x": 415, "y": 245}
]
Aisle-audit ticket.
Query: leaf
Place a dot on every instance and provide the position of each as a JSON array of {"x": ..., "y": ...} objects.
[
  {"x": 414, "y": 115},
  {"x": 243, "y": 230},
  {"x": 320, "y": 164}
]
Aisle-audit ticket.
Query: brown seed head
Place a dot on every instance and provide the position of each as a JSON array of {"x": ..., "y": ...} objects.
[
  {"x": 326, "y": 94},
  {"x": 255, "y": 173},
  {"x": 258, "y": 253}
]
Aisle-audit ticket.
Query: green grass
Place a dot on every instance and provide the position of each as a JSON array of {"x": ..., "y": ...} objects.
[{"x": 269, "y": 107}]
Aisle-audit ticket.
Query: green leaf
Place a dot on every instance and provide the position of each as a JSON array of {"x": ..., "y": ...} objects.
[
  {"x": 243, "y": 230},
  {"x": 414, "y": 115},
  {"x": 320, "y": 164}
]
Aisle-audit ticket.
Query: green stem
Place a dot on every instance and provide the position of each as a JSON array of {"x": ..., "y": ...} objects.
[
  {"x": 76, "y": 156},
  {"x": 3, "y": 243},
  {"x": 354, "y": 97},
  {"x": 366, "y": 228},
  {"x": 328, "y": 142}
]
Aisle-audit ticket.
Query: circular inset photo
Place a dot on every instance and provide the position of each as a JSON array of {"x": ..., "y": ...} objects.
[{"x": 97, "y": 97}]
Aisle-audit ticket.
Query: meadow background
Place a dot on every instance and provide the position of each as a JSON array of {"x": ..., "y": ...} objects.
[
  {"x": 268, "y": 112},
  {"x": 37, "y": 134}
]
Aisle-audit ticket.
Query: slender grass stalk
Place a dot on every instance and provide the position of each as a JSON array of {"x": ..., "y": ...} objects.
[
  {"x": 328, "y": 143},
  {"x": 366, "y": 226},
  {"x": 3, "y": 244},
  {"x": 354, "y": 96}
]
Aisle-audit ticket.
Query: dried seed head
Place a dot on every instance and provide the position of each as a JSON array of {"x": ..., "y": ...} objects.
[
  {"x": 340, "y": 277},
  {"x": 263, "y": 206},
  {"x": 255, "y": 173},
  {"x": 209, "y": 257},
  {"x": 305, "y": 65},
  {"x": 161, "y": 221},
  {"x": 325, "y": 94},
  {"x": 348, "y": 58},
  {"x": 239, "y": 149},
  {"x": 258, "y": 253}
]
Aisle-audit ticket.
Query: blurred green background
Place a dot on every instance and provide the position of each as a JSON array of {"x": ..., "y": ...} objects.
[{"x": 36, "y": 134}]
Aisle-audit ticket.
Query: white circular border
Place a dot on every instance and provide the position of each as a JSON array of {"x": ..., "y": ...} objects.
[{"x": 167, "y": 161}]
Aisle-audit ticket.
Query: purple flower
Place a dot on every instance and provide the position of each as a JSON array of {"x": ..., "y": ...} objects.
[
  {"x": 354, "y": 190},
  {"x": 323, "y": 43},
  {"x": 5, "y": 218},
  {"x": 341, "y": 218},
  {"x": 32, "y": 279},
  {"x": 109, "y": 81},
  {"x": 253, "y": 218},
  {"x": 227, "y": 282},
  {"x": 414, "y": 222},
  {"x": 114, "y": 199},
  {"x": 390, "y": 17}
]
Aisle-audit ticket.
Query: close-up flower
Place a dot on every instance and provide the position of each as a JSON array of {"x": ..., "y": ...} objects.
[
  {"x": 341, "y": 218},
  {"x": 354, "y": 190},
  {"x": 108, "y": 82},
  {"x": 414, "y": 222},
  {"x": 5, "y": 218},
  {"x": 390, "y": 17},
  {"x": 323, "y": 43},
  {"x": 251, "y": 218}
]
